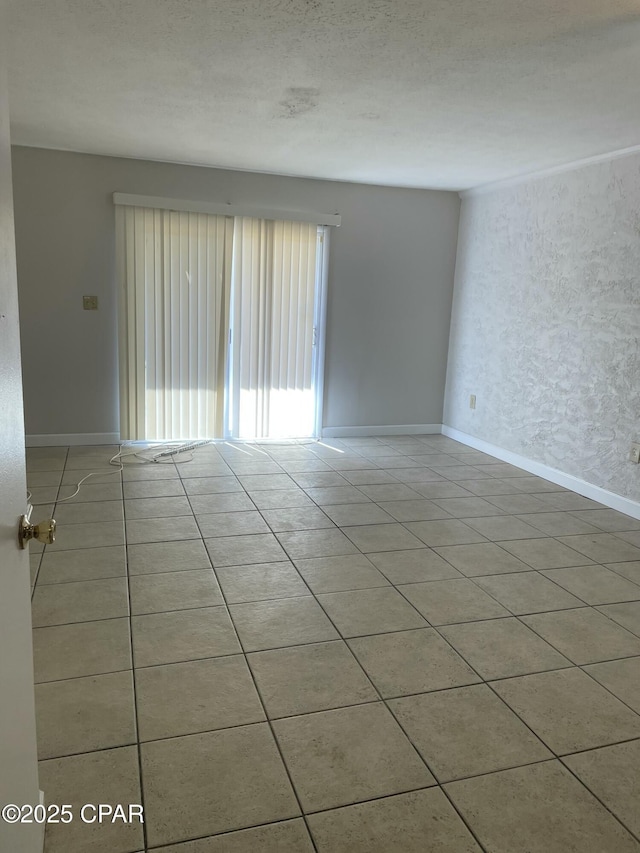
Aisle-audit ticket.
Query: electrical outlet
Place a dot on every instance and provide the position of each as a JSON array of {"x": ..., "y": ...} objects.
[
  {"x": 634, "y": 453},
  {"x": 472, "y": 401},
  {"x": 90, "y": 303}
]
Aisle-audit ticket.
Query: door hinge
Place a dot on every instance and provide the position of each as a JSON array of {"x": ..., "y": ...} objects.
[{"x": 315, "y": 336}]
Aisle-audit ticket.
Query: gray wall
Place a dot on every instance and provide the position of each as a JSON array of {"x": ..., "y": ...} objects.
[
  {"x": 390, "y": 285},
  {"x": 546, "y": 322}
]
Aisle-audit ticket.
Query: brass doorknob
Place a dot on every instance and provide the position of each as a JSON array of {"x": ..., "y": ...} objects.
[{"x": 44, "y": 532}]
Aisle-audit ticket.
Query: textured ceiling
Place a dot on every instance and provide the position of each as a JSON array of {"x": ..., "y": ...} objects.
[{"x": 427, "y": 93}]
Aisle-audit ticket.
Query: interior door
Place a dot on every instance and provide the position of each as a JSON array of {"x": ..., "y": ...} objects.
[{"x": 18, "y": 756}]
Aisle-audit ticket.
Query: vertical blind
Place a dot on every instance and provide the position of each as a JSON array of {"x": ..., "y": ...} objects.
[
  {"x": 274, "y": 286},
  {"x": 174, "y": 272},
  {"x": 187, "y": 280}
]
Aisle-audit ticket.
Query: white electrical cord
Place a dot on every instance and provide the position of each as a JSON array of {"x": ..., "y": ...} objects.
[{"x": 116, "y": 460}]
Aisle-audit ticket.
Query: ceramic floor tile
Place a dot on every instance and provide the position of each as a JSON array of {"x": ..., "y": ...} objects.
[
  {"x": 107, "y": 776},
  {"x": 91, "y": 492},
  {"x": 519, "y": 504},
  {"x": 133, "y": 472},
  {"x": 319, "y": 480},
  {"x": 370, "y": 538},
  {"x": 288, "y": 836},
  {"x": 602, "y": 547},
  {"x": 416, "y": 476},
  {"x": 487, "y": 488},
  {"x": 408, "y": 662},
  {"x": 260, "y": 582},
  {"x": 457, "y": 600},
  {"x": 285, "y": 622},
  {"x": 232, "y": 524},
  {"x": 414, "y": 566},
  {"x": 444, "y": 532},
  {"x": 158, "y": 592},
  {"x": 568, "y": 710},
  {"x": 258, "y": 481},
  {"x": 475, "y": 507},
  {"x": 348, "y": 755},
  {"x": 182, "y": 556},
  {"x": 195, "y": 696},
  {"x": 316, "y": 543},
  {"x": 620, "y": 677},
  {"x": 91, "y": 511},
  {"x": 584, "y": 635},
  {"x": 337, "y": 495},
  {"x": 95, "y": 534},
  {"x": 182, "y": 635},
  {"x": 390, "y": 492},
  {"x": 535, "y": 485},
  {"x": 296, "y": 518},
  {"x": 484, "y": 558},
  {"x": 157, "y": 507},
  {"x": 466, "y": 731},
  {"x": 211, "y": 485},
  {"x": 44, "y": 478},
  {"x": 245, "y": 550},
  {"x": 411, "y": 823},
  {"x": 84, "y": 648},
  {"x": 443, "y": 489},
  {"x": 608, "y": 519},
  {"x": 460, "y": 472},
  {"x": 335, "y": 574},
  {"x": 85, "y": 714},
  {"x": 212, "y": 503},
  {"x": 528, "y": 592},
  {"x": 281, "y": 499},
  {"x": 161, "y": 529},
  {"x": 370, "y": 611},
  {"x": 595, "y": 584},
  {"x": 570, "y": 501},
  {"x": 188, "y": 470},
  {"x": 357, "y": 514},
  {"x": 502, "y": 469},
  {"x": 633, "y": 537},
  {"x": 538, "y": 809},
  {"x": 501, "y": 648},
  {"x": 626, "y": 614},
  {"x": 214, "y": 782},
  {"x": 82, "y": 601},
  {"x": 414, "y": 510},
  {"x": 153, "y": 489},
  {"x": 611, "y": 773},
  {"x": 544, "y": 553},
  {"x": 630, "y": 570},
  {"x": 82, "y": 564},
  {"x": 557, "y": 523},
  {"x": 373, "y": 477},
  {"x": 304, "y": 679},
  {"x": 499, "y": 528}
]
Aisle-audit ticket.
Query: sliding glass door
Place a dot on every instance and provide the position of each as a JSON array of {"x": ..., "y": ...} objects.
[
  {"x": 277, "y": 314},
  {"x": 221, "y": 325}
]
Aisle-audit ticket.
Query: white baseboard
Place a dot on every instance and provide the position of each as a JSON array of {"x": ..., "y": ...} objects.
[
  {"x": 568, "y": 481},
  {"x": 391, "y": 429},
  {"x": 71, "y": 438}
]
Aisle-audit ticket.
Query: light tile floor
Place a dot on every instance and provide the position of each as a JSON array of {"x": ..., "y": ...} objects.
[{"x": 375, "y": 645}]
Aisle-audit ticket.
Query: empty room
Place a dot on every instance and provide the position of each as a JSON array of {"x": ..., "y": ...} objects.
[{"x": 319, "y": 417}]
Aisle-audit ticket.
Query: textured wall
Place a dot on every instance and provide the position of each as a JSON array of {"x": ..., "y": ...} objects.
[
  {"x": 389, "y": 302},
  {"x": 546, "y": 322}
]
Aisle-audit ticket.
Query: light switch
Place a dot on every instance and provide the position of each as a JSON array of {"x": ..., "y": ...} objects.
[{"x": 90, "y": 303}]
